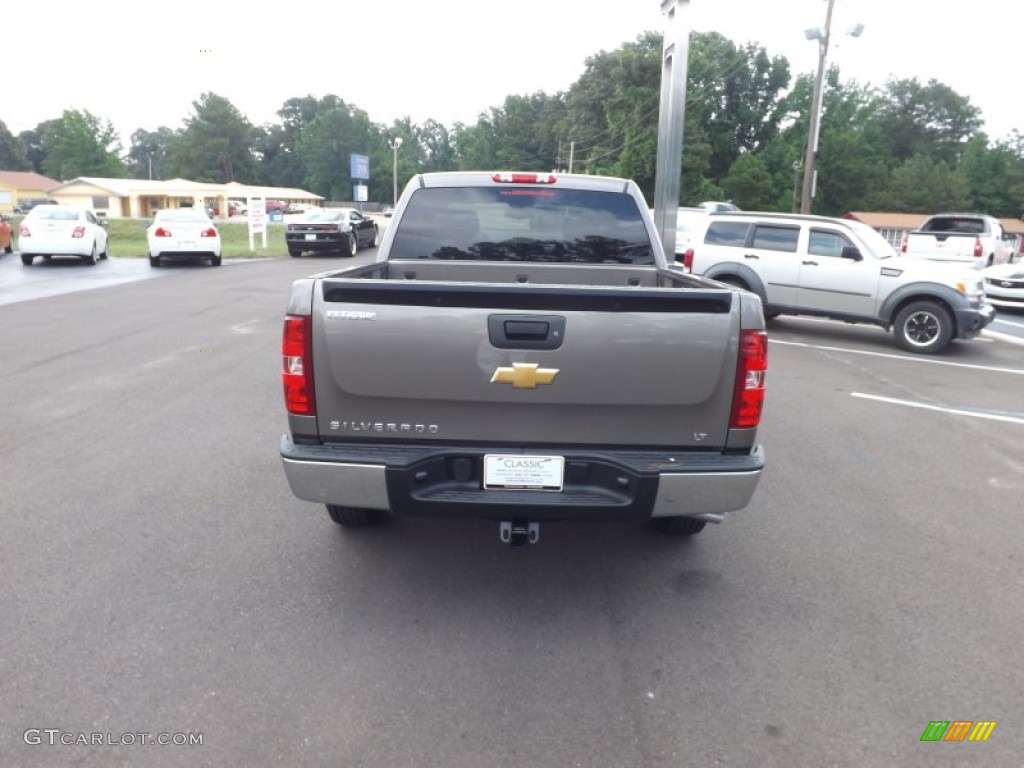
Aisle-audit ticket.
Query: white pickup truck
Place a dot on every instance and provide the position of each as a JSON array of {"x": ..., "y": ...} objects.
[{"x": 973, "y": 239}]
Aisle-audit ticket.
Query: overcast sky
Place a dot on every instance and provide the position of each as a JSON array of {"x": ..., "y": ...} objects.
[{"x": 142, "y": 65}]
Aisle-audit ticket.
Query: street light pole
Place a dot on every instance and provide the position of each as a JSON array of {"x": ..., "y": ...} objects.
[
  {"x": 812, "y": 132},
  {"x": 395, "y": 143}
]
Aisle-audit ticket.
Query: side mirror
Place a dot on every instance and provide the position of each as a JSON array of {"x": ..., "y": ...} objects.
[{"x": 851, "y": 252}]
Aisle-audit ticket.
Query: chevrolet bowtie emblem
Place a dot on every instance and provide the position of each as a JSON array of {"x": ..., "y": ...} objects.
[{"x": 524, "y": 375}]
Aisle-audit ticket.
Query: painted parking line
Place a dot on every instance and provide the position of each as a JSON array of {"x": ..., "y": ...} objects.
[
  {"x": 942, "y": 409},
  {"x": 909, "y": 358}
]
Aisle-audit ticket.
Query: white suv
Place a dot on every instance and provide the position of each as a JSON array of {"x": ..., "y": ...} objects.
[{"x": 840, "y": 269}]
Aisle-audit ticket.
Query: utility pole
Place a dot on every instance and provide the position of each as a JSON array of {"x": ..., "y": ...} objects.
[{"x": 810, "y": 168}]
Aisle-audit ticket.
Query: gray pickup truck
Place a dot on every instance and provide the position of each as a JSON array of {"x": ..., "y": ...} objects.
[{"x": 522, "y": 352}]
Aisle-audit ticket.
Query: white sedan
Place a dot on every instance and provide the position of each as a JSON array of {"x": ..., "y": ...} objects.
[
  {"x": 1004, "y": 285},
  {"x": 183, "y": 234},
  {"x": 61, "y": 230}
]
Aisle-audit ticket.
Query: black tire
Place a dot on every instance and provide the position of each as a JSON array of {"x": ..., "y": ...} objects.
[
  {"x": 26, "y": 259},
  {"x": 154, "y": 261},
  {"x": 91, "y": 258},
  {"x": 106, "y": 248},
  {"x": 924, "y": 327},
  {"x": 355, "y": 517},
  {"x": 8, "y": 248},
  {"x": 215, "y": 261},
  {"x": 293, "y": 253},
  {"x": 352, "y": 246},
  {"x": 376, "y": 237},
  {"x": 678, "y": 526}
]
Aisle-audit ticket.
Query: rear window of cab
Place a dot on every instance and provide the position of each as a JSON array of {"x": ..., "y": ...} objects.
[{"x": 522, "y": 224}]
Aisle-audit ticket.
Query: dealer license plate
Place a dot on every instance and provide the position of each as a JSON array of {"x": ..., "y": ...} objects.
[
  {"x": 524, "y": 473},
  {"x": 311, "y": 235}
]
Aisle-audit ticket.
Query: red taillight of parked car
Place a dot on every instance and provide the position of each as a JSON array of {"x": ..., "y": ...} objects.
[
  {"x": 748, "y": 397},
  {"x": 209, "y": 232},
  {"x": 688, "y": 260},
  {"x": 23, "y": 231},
  {"x": 79, "y": 231},
  {"x": 977, "y": 247},
  {"x": 297, "y": 371},
  {"x": 161, "y": 232}
]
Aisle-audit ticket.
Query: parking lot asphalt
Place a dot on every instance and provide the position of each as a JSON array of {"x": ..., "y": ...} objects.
[{"x": 159, "y": 577}]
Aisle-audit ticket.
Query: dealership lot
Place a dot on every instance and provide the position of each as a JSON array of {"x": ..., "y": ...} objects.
[{"x": 160, "y": 577}]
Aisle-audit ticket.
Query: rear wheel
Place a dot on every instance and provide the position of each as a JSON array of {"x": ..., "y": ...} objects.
[
  {"x": 294, "y": 253},
  {"x": 376, "y": 237},
  {"x": 215, "y": 261},
  {"x": 154, "y": 261},
  {"x": 91, "y": 258},
  {"x": 26, "y": 259},
  {"x": 925, "y": 327},
  {"x": 678, "y": 526},
  {"x": 355, "y": 517},
  {"x": 352, "y": 246}
]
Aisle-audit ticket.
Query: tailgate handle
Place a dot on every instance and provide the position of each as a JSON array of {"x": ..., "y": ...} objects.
[{"x": 526, "y": 331}]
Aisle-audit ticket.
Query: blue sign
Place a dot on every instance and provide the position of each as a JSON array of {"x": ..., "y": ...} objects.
[{"x": 360, "y": 166}]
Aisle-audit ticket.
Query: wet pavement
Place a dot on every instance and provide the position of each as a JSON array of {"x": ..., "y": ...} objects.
[{"x": 68, "y": 275}]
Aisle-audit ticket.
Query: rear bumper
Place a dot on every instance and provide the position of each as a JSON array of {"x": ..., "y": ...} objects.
[{"x": 445, "y": 481}]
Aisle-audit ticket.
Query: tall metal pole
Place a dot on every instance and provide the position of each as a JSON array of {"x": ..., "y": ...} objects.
[
  {"x": 395, "y": 143},
  {"x": 672, "y": 109},
  {"x": 810, "y": 169}
]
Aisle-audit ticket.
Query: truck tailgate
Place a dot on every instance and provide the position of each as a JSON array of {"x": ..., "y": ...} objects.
[{"x": 569, "y": 365}]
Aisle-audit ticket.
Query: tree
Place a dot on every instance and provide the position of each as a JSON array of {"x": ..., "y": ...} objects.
[
  {"x": 930, "y": 120},
  {"x": 325, "y": 146},
  {"x": 13, "y": 155},
  {"x": 150, "y": 153},
  {"x": 922, "y": 184},
  {"x": 216, "y": 143},
  {"x": 749, "y": 185},
  {"x": 80, "y": 144}
]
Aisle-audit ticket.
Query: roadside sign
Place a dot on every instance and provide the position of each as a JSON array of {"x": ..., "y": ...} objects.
[
  {"x": 360, "y": 166},
  {"x": 257, "y": 220},
  {"x": 360, "y": 193}
]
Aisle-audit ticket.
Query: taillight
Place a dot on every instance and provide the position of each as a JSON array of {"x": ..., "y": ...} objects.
[
  {"x": 23, "y": 231},
  {"x": 211, "y": 232},
  {"x": 79, "y": 231},
  {"x": 977, "y": 247},
  {"x": 297, "y": 373},
  {"x": 903, "y": 245},
  {"x": 748, "y": 398},
  {"x": 161, "y": 232},
  {"x": 524, "y": 178},
  {"x": 688, "y": 260}
]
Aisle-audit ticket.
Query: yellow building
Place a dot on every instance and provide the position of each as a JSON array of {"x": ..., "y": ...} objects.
[
  {"x": 140, "y": 198},
  {"x": 19, "y": 186}
]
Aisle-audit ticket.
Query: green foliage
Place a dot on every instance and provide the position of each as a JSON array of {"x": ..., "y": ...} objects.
[
  {"x": 921, "y": 184},
  {"x": 215, "y": 144},
  {"x": 13, "y": 154},
  {"x": 80, "y": 144},
  {"x": 930, "y": 120},
  {"x": 150, "y": 150},
  {"x": 749, "y": 185}
]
